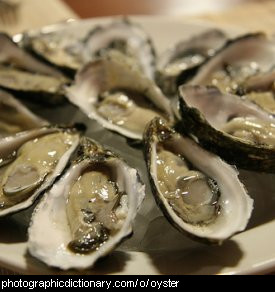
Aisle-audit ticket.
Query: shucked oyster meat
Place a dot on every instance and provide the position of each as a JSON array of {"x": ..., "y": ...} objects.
[
  {"x": 30, "y": 162},
  {"x": 234, "y": 128},
  {"x": 15, "y": 117},
  {"x": 113, "y": 91},
  {"x": 260, "y": 89},
  {"x": 88, "y": 212},
  {"x": 198, "y": 193}
]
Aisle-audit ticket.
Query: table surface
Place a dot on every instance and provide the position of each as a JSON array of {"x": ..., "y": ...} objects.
[{"x": 34, "y": 14}]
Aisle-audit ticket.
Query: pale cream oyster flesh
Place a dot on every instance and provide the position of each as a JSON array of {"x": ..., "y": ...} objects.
[
  {"x": 88, "y": 212},
  {"x": 252, "y": 129},
  {"x": 15, "y": 117},
  {"x": 114, "y": 92},
  {"x": 29, "y": 163},
  {"x": 199, "y": 193},
  {"x": 260, "y": 89}
]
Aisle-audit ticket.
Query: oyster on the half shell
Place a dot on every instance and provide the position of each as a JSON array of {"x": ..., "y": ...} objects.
[
  {"x": 244, "y": 66},
  {"x": 126, "y": 37},
  {"x": 30, "y": 162},
  {"x": 234, "y": 128},
  {"x": 88, "y": 212},
  {"x": 199, "y": 193},
  {"x": 70, "y": 52},
  {"x": 114, "y": 92}
]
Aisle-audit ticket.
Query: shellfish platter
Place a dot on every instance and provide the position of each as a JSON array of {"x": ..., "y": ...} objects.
[{"x": 185, "y": 188}]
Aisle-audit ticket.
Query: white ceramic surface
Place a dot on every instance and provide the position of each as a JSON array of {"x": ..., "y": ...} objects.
[{"x": 156, "y": 247}]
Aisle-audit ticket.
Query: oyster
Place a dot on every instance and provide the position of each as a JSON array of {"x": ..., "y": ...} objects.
[
  {"x": 236, "y": 129},
  {"x": 113, "y": 91},
  {"x": 238, "y": 60},
  {"x": 70, "y": 53},
  {"x": 126, "y": 37},
  {"x": 15, "y": 117},
  {"x": 198, "y": 193},
  {"x": 183, "y": 59},
  {"x": 23, "y": 75},
  {"x": 88, "y": 212},
  {"x": 57, "y": 48},
  {"x": 30, "y": 162},
  {"x": 12, "y": 55}
]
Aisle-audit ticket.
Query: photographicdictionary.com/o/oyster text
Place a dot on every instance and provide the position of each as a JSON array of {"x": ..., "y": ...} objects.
[{"x": 81, "y": 283}]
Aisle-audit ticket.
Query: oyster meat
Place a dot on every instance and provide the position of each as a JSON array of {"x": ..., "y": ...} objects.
[
  {"x": 88, "y": 212},
  {"x": 234, "y": 128},
  {"x": 113, "y": 91},
  {"x": 260, "y": 89},
  {"x": 15, "y": 117},
  {"x": 30, "y": 161},
  {"x": 199, "y": 193},
  {"x": 183, "y": 59}
]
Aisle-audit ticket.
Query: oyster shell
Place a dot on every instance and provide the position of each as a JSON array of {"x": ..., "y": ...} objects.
[
  {"x": 70, "y": 53},
  {"x": 12, "y": 55},
  {"x": 236, "y": 129},
  {"x": 30, "y": 162},
  {"x": 198, "y": 193},
  {"x": 114, "y": 92},
  {"x": 183, "y": 59},
  {"x": 238, "y": 60},
  {"x": 38, "y": 88},
  {"x": 126, "y": 37},
  {"x": 15, "y": 117},
  {"x": 25, "y": 76},
  {"x": 57, "y": 48},
  {"x": 88, "y": 212}
]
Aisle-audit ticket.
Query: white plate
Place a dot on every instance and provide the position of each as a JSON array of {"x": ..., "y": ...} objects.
[{"x": 156, "y": 247}]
